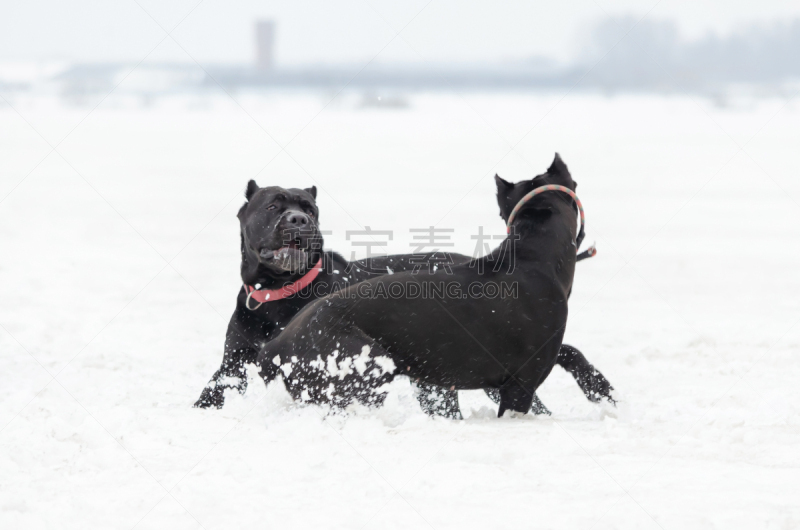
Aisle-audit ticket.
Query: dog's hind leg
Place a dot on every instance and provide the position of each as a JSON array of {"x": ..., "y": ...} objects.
[
  {"x": 514, "y": 397},
  {"x": 594, "y": 384},
  {"x": 537, "y": 407},
  {"x": 437, "y": 400}
]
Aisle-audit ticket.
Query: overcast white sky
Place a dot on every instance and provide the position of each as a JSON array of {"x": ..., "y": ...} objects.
[{"x": 316, "y": 31}]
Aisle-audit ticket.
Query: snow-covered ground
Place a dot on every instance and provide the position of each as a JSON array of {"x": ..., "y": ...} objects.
[{"x": 119, "y": 270}]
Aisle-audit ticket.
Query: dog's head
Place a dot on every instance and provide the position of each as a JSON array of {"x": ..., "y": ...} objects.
[
  {"x": 543, "y": 206},
  {"x": 280, "y": 233}
]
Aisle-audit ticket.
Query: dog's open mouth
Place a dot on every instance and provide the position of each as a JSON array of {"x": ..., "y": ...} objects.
[{"x": 289, "y": 258}]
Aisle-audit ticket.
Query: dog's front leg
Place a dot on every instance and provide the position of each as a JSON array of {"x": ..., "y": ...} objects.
[{"x": 240, "y": 349}]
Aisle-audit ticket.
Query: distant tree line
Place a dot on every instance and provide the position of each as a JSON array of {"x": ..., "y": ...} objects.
[{"x": 652, "y": 54}]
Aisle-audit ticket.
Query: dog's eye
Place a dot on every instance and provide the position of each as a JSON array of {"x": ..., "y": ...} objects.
[
  {"x": 271, "y": 207},
  {"x": 307, "y": 207}
]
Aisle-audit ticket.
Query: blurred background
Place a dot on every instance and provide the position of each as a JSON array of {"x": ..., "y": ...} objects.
[
  {"x": 129, "y": 130},
  {"x": 85, "y": 47}
]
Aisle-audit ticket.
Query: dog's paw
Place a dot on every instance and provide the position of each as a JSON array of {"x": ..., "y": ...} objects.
[
  {"x": 438, "y": 401},
  {"x": 596, "y": 387},
  {"x": 539, "y": 408},
  {"x": 211, "y": 397}
]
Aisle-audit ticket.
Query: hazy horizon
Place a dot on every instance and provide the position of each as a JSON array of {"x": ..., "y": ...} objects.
[{"x": 316, "y": 32}]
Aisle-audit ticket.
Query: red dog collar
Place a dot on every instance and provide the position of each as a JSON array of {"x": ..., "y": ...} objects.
[{"x": 270, "y": 295}]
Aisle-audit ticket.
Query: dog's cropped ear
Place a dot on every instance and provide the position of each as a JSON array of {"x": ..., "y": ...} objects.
[
  {"x": 312, "y": 190},
  {"x": 558, "y": 167},
  {"x": 503, "y": 190},
  {"x": 252, "y": 188},
  {"x": 502, "y": 184}
]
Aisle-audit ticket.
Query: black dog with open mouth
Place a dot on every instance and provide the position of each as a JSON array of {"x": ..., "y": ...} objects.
[
  {"x": 280, "y": 244},
  {"x": 281, "y": 250},
  {"x": 345, "y": 347}
]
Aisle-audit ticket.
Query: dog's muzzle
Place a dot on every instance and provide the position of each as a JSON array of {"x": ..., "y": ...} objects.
[{"x": 290, "y": 259}]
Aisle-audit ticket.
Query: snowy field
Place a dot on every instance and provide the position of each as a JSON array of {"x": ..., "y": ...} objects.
[{"x": 119, "y": 271}]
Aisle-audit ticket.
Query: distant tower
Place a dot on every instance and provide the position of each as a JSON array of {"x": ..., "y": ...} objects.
[{"x": 265, "y": 44}]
